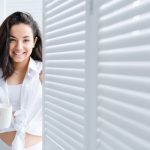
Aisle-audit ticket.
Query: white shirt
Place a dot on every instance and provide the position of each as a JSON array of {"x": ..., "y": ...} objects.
[
  {"x": 14, "y": 92},
  {"x": 29, "y": 118}
]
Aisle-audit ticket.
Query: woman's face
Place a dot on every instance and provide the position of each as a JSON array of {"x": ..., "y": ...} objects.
[{"x": 21, "y": 42}]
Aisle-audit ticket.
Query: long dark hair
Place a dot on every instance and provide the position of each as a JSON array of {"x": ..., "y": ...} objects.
[{"x": 17, "y": 18}]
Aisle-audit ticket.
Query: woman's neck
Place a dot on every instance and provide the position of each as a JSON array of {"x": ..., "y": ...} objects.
[
  {"x": 19, "y": 73},
  {"x": 21, "y": 67}
]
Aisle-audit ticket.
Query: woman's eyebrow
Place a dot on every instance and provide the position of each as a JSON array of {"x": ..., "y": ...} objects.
[
  {"x": 26, "y": 37},
  {"x": 23, "y": 36},
  {"x": 12, "y": 36}
]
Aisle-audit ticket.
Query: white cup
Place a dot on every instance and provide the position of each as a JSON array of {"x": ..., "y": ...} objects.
[{"x": 5, "y": 115}]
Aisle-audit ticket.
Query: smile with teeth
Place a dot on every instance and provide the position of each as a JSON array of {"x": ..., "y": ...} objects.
[{"x": 19, "y": 53}]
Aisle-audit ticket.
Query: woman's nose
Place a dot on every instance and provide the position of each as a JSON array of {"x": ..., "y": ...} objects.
[{"x": 19, "y": 45}]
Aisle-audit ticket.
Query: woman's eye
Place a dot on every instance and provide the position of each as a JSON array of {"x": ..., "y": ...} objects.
[
  {"x": 11, "y": 40},
  {"x": 26, "y": 40}
]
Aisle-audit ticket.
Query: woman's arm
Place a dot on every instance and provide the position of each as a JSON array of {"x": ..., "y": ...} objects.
[
  {"x": 30, "y": 139},
  {"x": 8, "y": 137}
]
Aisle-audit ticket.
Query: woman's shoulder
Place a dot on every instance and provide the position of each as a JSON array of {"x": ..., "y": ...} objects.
[
  {"x": 35, "y": 64},
  {"x": 38, "y": 64},
  {"x": 40, "y": 69}
]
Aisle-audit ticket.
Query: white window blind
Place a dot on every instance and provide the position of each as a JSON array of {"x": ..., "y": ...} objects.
[
  {"x": 64, "y": 87},
  {"x": 97, "y": 84},
  {"x": 123, "y": 75}
]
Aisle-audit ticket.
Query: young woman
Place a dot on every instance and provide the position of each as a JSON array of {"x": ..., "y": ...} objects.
[{"x": 20, "y": 81}]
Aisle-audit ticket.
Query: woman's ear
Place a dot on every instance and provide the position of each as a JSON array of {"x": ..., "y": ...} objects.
[{"x": 35, "y": 40}]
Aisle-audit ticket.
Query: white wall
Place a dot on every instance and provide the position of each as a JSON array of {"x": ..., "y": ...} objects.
[
  {"x": 33, "y": 7},
  {"x": 2, "y": 11}
]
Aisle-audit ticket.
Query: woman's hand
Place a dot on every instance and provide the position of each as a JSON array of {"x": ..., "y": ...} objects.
[
  {"x": 31, "y": 140},
  {"x": 41, "y": 76}
]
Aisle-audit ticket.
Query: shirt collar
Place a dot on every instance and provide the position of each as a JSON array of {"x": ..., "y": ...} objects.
[{"x": 32, "y": 68}]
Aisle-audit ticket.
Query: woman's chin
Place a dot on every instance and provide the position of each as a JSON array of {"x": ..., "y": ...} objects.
[{"x": 19, "y": 60}]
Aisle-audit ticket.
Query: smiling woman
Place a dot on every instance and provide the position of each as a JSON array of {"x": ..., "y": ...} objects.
[
  {"x": 20, "y": 71},
  {"x": 21, "y": 42}
]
